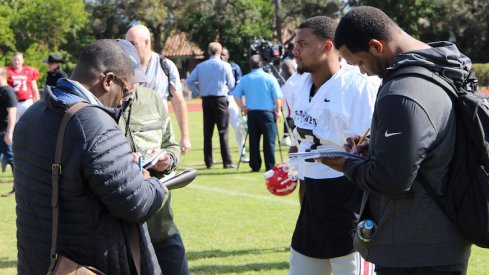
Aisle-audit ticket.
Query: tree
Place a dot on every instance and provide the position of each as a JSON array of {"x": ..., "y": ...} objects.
[
  {"x": 37, "y": 27},
  {"x": 235, "y": 24},
  {"x": 46, "y": 23},
  {"x": 409, "y": 14},
  {"x": 158, "y": 16},
  {"x": 109, "y": 18},
  {"x": 290, "y": 13},
  {"x": 464, "y": 22},
  {"x": 7, "y": 37}
]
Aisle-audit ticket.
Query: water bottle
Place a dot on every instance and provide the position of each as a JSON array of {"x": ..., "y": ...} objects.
[{"x": 365, "y": 230}]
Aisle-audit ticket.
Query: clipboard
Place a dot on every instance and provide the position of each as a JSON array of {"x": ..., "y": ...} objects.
[
  {"x": 180, "y": 180},
  {"x": 152, "y": 160},
  {"x": 325, "y": 154}
]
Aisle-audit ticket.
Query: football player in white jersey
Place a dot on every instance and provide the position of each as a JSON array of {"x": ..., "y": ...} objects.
[{"x": 328, "y": 104}]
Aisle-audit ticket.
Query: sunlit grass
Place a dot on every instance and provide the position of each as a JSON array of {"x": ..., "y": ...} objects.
[{"x": 229, "y": 222}]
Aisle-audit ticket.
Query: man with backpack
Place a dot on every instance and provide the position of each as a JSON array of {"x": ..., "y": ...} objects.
[
  {"x": 163, "y": 78},
  {"x": 412, "y": 142}
]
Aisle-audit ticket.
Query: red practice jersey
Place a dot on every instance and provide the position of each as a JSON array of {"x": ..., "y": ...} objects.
[{"x": 21, "y": 81}]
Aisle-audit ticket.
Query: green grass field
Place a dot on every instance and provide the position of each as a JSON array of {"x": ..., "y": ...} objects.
[{"x": 229, "y": 222}]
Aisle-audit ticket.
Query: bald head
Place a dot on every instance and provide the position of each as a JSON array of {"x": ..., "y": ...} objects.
[
  {"x": 140, "y": 37},
  {"x": 138, "y": 31},
  {"x": 215, "y": 48}
]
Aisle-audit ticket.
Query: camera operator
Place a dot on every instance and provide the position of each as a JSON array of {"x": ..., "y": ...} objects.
[{"x": 288, "y": 67}]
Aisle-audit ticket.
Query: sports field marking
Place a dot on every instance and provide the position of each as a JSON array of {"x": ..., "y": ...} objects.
[{"x": 246, "y": 195}]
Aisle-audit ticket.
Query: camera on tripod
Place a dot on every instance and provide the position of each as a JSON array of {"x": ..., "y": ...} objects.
[{"x": 268, "y": 51}]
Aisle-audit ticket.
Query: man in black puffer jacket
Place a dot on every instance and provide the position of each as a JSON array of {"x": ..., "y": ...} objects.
[{"x": 101, "y": 188}]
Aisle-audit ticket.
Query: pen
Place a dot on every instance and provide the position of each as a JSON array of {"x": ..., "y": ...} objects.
[
  {"x": 140, "y": 162},
  {"x": 362, "y": 139}
]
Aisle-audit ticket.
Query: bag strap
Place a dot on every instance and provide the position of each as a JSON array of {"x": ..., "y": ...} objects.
[
  {"x": 427, "y": 74},
  {"x": 134, "y": 246},
  {"x": 55, "y": 175},
  {"x": 166, "y": 70}
]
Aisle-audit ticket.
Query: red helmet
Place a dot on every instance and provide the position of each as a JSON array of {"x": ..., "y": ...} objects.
[{"x": 280, "y": 181}]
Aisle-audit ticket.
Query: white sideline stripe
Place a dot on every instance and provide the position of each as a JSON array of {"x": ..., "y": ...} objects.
[{"x": 246, "y": 195}]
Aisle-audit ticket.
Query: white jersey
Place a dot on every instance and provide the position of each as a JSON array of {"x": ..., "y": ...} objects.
[{"x": 342, "y": 107}]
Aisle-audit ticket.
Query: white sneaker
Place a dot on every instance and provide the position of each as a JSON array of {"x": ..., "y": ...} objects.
[
  {"x": 286, "y": 141},
  {"x": 244, "y": 158}
]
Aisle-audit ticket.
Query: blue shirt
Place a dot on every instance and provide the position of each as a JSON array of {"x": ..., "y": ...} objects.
[
  {"x": 215, "y": 78},
  {"x": 236, "y": 72},
  {"x": 260, "y": 89}
]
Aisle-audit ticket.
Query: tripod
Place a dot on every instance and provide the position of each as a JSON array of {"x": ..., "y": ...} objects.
[{"x": 270, "y": 68}]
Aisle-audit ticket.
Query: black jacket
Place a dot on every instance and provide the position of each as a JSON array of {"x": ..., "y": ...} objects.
[
  {"x": 52, "y": 77},
  {"x": 413, "y": 134},
  {"x": 102, "y": 190}
]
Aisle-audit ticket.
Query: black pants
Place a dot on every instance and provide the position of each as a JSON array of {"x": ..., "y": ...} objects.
[
  {"x": 215, "y": 109},
  {"x": 171, "y": 256},
  {"x": 262, "y": 123}
]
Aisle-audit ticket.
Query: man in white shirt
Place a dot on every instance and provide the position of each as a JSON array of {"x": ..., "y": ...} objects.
[
  {"x": 140, "y": 37},
  {"x": 328, "y": 103}
]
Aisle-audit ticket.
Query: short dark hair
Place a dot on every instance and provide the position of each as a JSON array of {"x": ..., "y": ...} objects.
[
  {"x": 360, "y": 25},
  {"x": 321, "y": 26},
  {"x": 256, "y": 61},
  {"x": 102, "y": 56}
]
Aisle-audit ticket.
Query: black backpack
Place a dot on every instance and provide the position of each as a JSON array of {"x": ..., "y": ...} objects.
[{"x": 466, "y": 196}]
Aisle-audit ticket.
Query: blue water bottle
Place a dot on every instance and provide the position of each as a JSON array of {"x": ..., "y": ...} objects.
[{"x": 365, "y": 230}]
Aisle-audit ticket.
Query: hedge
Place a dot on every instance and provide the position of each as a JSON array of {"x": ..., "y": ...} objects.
[{"x": 482, "y": 73}]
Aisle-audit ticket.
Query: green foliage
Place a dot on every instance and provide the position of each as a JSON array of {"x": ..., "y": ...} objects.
[
  {"x": 464, "y": 22},
  {"x": 482, "y": 73},
  {"x": 235, "y": 24},
  {"x": 37, "y": 28},
  {"x": 296, "y": 11},
  {"x": 409, "y": 14},
  {"x": 7, "y": 37},
  {"x": 108, "y": 19},
  {"x": 46, "y": 23},
  {"x": 158, "y": 16}
]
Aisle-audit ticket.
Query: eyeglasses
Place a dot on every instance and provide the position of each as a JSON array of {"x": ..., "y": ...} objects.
[
  {"x": 125, "y": 91},
  {"x": 134, "y": 43}
]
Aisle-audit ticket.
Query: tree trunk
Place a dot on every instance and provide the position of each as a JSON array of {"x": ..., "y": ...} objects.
[{"x": 278, "y": 19}]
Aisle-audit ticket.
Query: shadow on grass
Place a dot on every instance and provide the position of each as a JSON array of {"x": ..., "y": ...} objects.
[
  {"x": 219, "y": 171},
  {"x": 5, "y": 263},
  {"x": 6, "y": 179},
  {"x": 217, "y": 253},
  {"x": 218, "y": 269}
]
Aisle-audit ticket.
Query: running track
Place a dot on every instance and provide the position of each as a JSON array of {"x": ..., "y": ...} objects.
[{"x": 191, "y": 107}]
